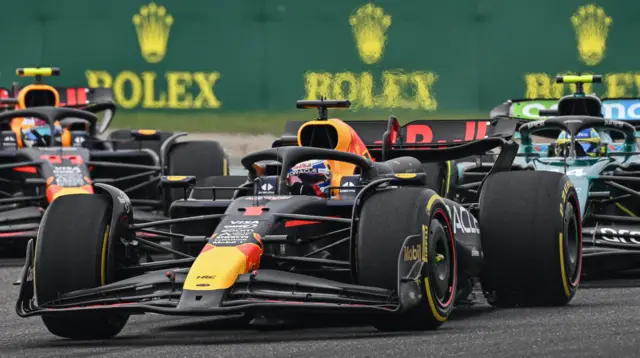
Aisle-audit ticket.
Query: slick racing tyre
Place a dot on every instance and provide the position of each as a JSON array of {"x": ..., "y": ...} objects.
[
  {"x": 199, "y": 158},
  {"x": 532, "y": 239},
  {"x": 441, "y": 177},
  {"x": 386, "y": 220},
  {"x": 72, "y": 253}
]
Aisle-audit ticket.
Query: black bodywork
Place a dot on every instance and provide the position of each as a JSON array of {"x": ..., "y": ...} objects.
[
  {"x": 27, "y": 175},
  {"x": 307, "y": 243},
  {"x": 608, "y": 186}
]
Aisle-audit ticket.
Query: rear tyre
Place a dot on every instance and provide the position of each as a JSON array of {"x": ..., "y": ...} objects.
[
  {"x": 441, "y": 177},
  {"x": 201, "y": 158},
  {"x": 387, "y": 219},
  {"x": 72, "y": 253},
  {"x": 532, "y": 239}
]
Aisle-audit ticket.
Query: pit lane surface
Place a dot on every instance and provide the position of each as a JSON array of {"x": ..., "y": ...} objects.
[{"x": 599, "y": 322}]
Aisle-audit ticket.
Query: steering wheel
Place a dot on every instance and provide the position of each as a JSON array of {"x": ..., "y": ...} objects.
[{"x": 579, "y": 149}]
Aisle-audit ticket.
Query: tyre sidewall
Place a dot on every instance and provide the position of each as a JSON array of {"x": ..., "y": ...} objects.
[{"x": 435, "y": 210}]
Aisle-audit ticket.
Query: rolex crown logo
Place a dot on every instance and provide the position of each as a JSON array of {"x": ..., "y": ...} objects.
[
  {"x": 153, "y": 24},
  {"x": 369, "y": 25},
  {"x": 591, "y": 25}
]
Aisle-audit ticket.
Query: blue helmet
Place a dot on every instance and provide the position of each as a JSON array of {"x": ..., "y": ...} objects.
[
  {"x": 39, "y": 131},
  {"x": 312, "y": 177},
  {"x": 589, "y": 139}
]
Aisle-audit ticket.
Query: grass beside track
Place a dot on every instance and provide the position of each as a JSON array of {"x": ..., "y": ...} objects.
[{"x": 258, "y": 122}]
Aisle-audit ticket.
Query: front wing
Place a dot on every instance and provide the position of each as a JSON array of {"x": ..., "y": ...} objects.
[{"x": 161, "y": 292}]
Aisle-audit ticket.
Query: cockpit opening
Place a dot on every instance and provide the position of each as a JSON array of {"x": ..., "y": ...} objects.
[
  {"x": 39, "y": 97},
  {"x": 319, "y": 136}
]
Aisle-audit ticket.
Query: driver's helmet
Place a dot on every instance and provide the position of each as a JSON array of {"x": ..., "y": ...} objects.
[
  {"x": 36, "y": 132},
  {"x": 312, "y": 177},
  {"x": 589, "y": 139}
]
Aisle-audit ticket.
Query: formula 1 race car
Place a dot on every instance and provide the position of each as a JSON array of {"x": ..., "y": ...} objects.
[
  {"x": 49, "y": 149},
  {"x": 602, "y": 159},
  {"x": 395, "y": 254}
]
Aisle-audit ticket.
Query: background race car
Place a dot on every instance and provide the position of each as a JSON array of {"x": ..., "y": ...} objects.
[
  {"x": 50, "y": 149},
  {"x": 600, "y": 156}
]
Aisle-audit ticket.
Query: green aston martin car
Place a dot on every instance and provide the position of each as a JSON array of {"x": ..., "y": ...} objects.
[{"x": 600, "y": 155}]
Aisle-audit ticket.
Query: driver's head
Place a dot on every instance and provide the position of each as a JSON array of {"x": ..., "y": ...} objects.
[
  {"x": 312, "y": 177},
  {"x": 589, "y": 139},
  {"x": 37, "y": 133}
]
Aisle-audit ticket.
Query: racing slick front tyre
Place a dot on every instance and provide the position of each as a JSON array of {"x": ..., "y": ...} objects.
[
  {"x": 532, "y": 239},
  {"x": 386, "y": 220},
  {"x": 71, "y": 254}
]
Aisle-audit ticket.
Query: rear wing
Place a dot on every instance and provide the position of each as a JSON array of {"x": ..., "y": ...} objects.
[
  {"x": 95, "y": 100},
  {"x": 625, "y": 109},
  {"x": 79, "y": 97},
  {"x": 74, "y": 97},
  {"x": 381, "y": 137},
  {"x": 525, "y": 110}
]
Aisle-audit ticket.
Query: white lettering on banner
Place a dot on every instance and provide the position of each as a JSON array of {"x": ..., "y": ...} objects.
[
  {"x": 462, "y": 220},
  {"x": 622, "y": 236}
]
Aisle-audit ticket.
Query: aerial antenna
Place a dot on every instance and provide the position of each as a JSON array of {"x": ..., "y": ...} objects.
[
  {"x": 322, "y": 105},
  {"x": 323, "y": 113}
]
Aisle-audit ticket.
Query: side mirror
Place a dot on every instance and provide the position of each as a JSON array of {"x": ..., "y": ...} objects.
[
  {"x": 178, "y": 181},
  {"x": 145, "y": 134}
]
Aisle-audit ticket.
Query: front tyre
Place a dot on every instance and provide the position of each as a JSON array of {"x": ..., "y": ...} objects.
[
  {"x": 72, "y": 253},
  {"x": 387, "y": 219},
  {"x": 532, "y": 239}
]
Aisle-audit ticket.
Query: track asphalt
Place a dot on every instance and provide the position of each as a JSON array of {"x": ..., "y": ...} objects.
[{"x": 602, "y": 321}]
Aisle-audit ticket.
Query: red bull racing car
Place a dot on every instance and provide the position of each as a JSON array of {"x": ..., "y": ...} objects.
[
  {"x": 50, "y": 147},
  {"x": 386, "y": 251}
]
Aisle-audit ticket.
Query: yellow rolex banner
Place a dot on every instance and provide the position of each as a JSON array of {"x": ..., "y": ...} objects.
[{"x": 421, "y": 56}]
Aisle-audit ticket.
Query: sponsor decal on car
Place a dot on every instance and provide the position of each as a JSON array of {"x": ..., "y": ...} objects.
[
  {"x": 125, "y": 202},
  {"x": 611, "y": 108},
  {"x": 267, "y": 188},
  {"x": 68, "y": 176},
  {"x": 58, "y": 149},
  {"x": 621, "y": 109},
  {"x": 267, "y": 197},
  {"x": 425, "y": 243},
  {"x": 623, "y": 236},
  {"x": 235, "y": 232},
  {"x": 462, "y": 221},
  {"x": 348, "y": 184},
  {"x": 531, "y": 109},
  {"x": 412, "y": 253}
]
